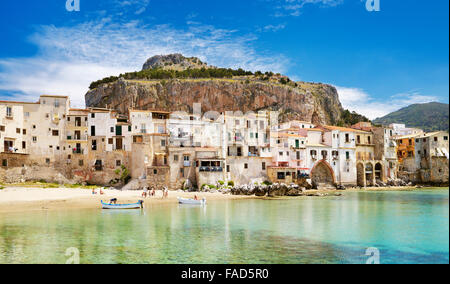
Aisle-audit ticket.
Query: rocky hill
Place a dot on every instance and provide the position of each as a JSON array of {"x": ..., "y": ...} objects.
[
  {"x": 173, "y": 61},
  {"x": 174, "y": 88},
  {"x": 429, "y": 117}
]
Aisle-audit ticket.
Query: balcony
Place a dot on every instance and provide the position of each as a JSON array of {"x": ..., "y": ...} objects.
[
  {"x": 186, "y": 163},
  {"x": 211, "y": 169},
  {"x": 77, "y": 138},
  {"x": 77, "y": 151}
]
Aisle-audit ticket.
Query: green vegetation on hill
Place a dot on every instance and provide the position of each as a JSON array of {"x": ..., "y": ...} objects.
[
  {"x": 429, "y": 117},
  {"x": 350, "y": 118},
  {"x": 160, "y": 74}
]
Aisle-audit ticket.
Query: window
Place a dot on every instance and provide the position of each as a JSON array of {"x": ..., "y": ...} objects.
[
  {"x": 347, "y": 138},
  {"x": 110, "y": 141},
  {"x": 186, "y": 158},
  {"x": 34, "y": 139},
  {"x": 155, "y": 172},
  {"x": 313, "y": 152},
  {"x": 8, "y": 111},
  {"x": 163, "y": 143},
  {"x": 347, "y": 155},
  {"x": 34, "y": 126},
  {"x": 56, "y": 103},
  {"x": 175, "y": 158},
  {"x": 228, "y": 168},
  {"x": 445, "y": 138},
  {"x": 435, "y": 139},
  {"x": 324, "y": 154},
  {"x": 245, "y": 166},
  {"x": 18, "y": 130},
  {"x": 47, "y": 161},
  {"x": 80, "y": 163},
  {"x": 281, "y": 175},
  {"x": 118, "y": 163},
  {"x": 2, "y": 128},
  {"x": 92, "y": 115},
  {"x": 24, "y": 131},
  {"x": 92, "y": 130},
  {"x": 112, "y": 129},
  {"x": 236, "y": 122},
  {"x": 298, "y": 155},
  {"x": 94, "y": 145},
  {"x": 4, "y": 163},
  {"x": 98, "y": 165},
  {"x": 280, "y": 153},
  {"x": 55, "y": 132},
  {"x": 263, "y": 166}
]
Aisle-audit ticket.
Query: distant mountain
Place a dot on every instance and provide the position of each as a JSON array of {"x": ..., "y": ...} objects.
[{"x": 429, "y": 117}]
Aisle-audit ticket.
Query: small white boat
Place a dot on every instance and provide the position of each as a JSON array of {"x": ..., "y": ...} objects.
[
  {"x": 138, "y": 205},
  {"x": 191, "y": 201}
]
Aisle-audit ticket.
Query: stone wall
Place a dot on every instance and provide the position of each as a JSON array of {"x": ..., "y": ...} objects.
[{"x": 158, "y": 176}]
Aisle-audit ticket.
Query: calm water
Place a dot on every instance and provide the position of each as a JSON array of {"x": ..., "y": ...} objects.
[{"x": 406, "y": 227}]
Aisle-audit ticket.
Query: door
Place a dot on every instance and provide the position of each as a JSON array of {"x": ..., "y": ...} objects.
[
  {"x": 118, "y": 130},
  {"x": 119, "y": 144},
  {"x": 297, "y": 144}
]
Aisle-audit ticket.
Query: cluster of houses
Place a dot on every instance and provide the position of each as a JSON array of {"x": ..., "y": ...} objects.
[{"x": 97, "y": 145}]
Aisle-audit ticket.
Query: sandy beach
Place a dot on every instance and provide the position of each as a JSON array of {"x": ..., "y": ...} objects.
[{"x": 17, "y": 199}]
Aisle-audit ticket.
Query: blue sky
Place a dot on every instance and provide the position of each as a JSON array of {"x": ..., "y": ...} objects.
[{"x": 379, "y": 61}]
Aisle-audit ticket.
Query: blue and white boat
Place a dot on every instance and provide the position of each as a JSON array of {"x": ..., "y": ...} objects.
[
  {"x": 138, "y": 205},
  {"x": 191, "y": 201}
]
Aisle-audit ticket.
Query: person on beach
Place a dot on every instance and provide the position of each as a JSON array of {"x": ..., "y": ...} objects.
[
  {"x": 101, "y": 191},
  {"x": 93, "y": 191},
  {"x": 153, "y": 192},
  {"x": 145, "y": 193},
  {"x": 195, "y": 197}
]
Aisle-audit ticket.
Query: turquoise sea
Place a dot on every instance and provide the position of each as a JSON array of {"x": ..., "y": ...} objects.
[{"x": 404, "y": 227}]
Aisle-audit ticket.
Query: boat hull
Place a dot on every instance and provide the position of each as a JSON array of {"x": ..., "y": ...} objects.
[
  {"x": 191, "y": 201},
  {"x": 122, "y": 206}
]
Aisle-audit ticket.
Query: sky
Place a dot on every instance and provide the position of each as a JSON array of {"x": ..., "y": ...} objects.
[{"x": 379, "y": 61}]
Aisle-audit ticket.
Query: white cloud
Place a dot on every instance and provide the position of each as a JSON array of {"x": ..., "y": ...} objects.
[
  {"x": 273, "y": 28},
  {"x": 69, "y": 58},
  {"x": 294, "y": 7},
  {"x": 355, "y": 99}
]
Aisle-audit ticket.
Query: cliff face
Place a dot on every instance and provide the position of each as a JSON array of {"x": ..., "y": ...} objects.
[{"x": 318, "y": 103}]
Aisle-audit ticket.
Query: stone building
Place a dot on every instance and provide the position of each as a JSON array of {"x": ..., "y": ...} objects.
[
  {"x": 432, "y": 157},
  {"x": 385, "y": 151},
  {"x": 150, "y": 142},
  {"x": 342, "y": 155}
]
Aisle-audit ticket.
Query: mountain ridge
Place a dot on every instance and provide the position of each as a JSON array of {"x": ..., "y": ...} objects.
[{"x": 433, "y": 116}]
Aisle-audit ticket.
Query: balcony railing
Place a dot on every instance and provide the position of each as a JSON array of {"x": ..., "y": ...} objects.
[
  {"x": 186, "y": 163},
  {"x": 77, "y": 138},
  {"x": 211, "y": 169},
  {"x": 77, "y": 151}
]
